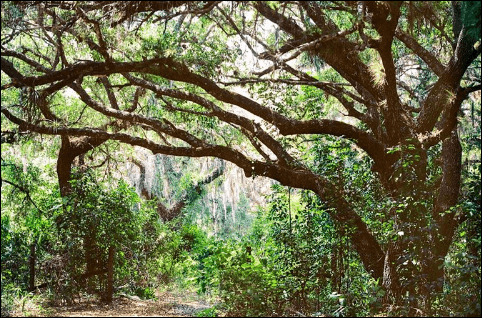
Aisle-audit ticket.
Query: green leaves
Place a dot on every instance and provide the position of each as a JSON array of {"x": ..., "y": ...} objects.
[
  {"x": 106, "y": 216},
  {"x": 471, "y": 12}
]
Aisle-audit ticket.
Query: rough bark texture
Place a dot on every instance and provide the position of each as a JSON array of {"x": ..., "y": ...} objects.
[
  {"x": 70, "y": 149},
  {"x": 388, "y": 122}
]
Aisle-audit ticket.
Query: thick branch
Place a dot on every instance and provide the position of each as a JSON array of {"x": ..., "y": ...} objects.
[
  {"x": 425, "y": 55},
  {"x": 448, "y": 194},
  {"x": 444, "y": 91},
  {"x": 290, "y": 176},
  {"x": 284, "y": 124},
  {"x": 337, "y": 53}
]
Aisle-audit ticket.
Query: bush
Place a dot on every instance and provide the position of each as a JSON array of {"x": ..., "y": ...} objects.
[{"x": 208, "y": 312}]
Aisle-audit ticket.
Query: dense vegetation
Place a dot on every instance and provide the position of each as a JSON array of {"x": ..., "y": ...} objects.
[{"x": 366, "y": 116}]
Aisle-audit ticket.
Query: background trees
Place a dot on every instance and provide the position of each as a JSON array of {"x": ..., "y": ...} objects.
[{"x": 263, "y": 85}]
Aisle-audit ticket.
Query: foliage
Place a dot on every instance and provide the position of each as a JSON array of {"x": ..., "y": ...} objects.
[
  {"x": 97, "y": 218},
  {"x": 366, "y": 113},
  {"x": 26, "y": 196},
  {"x": 107, "y": 216},
  {"x": 284, "y": 266},
  {"x": 14, "y": 256},
  {"x": 471, "y": 11},
  {"x": 59, "y": 234},
  {"x": 16, "y": 302},
  {"x": 209, "y": 312},
  {"x": 461, "y": 295}
]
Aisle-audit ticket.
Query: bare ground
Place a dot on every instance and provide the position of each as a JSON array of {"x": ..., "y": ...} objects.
[{"x": 185, "y": 304}]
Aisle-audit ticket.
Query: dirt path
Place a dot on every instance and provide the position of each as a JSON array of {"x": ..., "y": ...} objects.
[{"x": 167, "y": 305}]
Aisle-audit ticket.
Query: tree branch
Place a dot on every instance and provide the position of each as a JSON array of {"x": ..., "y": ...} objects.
[
  {"x": 425, "y": 55},
  {"x": 24, "y": 190}
]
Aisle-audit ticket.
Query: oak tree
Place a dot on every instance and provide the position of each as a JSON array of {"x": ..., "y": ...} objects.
[{"x": 224, "y": 79}]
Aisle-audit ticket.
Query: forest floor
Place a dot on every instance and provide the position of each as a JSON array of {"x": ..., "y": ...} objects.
[{"x": 168, "y": 304}]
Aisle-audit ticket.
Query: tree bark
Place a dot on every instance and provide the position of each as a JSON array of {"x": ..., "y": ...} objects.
[
  {"x": 388, "y": 122},
  {"x": 70, "y": 149},
  {"x": 110, "y": 275},
  {"x": 446, "y": 219},
  {"x": 390, "y": 280}
]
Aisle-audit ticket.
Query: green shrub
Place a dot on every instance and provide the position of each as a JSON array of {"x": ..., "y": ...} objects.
[{"x": 208, "y": 312}]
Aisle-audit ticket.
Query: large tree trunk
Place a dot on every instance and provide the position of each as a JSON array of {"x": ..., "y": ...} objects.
[
  {"x": 445, "y": 219},
  {"x": 70, "y": 149},
  {"x": 391, "y": 281},
  {"x": 414, "y": 263},
  {"x": 64, "y": 166}
]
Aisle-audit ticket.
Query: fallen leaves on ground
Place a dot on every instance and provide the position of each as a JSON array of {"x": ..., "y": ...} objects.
[{"x": 167, "y": 305}]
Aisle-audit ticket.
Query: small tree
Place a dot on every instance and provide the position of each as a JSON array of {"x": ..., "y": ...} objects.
[{"x": 98, "y": 221}]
